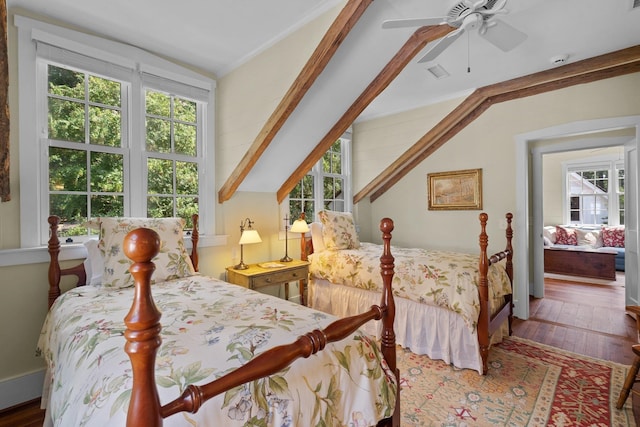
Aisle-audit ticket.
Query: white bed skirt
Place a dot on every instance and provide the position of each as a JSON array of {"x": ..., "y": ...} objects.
[{"x": 424, "y": 329}]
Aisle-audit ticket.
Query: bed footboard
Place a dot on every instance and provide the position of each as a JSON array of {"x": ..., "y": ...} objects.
[{"x": 143, "y": 339}]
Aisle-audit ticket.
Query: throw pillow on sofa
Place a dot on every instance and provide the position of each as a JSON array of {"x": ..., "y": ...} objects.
[
  {"x": 613, "y": 237},
  {"x": 566, "y": 236},
  {"x": 591, "y": 238}
]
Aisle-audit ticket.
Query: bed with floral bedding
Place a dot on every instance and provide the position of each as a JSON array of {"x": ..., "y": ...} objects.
[
  {"x": 451, "y": 305},
  {"x": 212, "y": 334}
]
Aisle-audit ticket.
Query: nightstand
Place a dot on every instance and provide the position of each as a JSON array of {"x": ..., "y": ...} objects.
[{"x": 256, "y": 277}]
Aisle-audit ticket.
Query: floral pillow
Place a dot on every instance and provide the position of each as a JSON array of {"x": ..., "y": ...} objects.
[
  {"x": 172, "y": 261},
  {"x": 338, "y": 230},
  {"x": 613, "y": 237},
  {"x": 566, "y": 236}
]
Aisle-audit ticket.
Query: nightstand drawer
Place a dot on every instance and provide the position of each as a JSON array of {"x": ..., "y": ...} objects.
[{"x": 280, "y": 277}]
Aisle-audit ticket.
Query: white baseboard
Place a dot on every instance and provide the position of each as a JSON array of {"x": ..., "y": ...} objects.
[{"x": 21, "y": 389}]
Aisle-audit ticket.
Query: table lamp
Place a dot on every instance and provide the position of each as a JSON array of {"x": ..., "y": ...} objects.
[
  {"x": 247, "y": 236},
  {"x": 300, "y": 226}
]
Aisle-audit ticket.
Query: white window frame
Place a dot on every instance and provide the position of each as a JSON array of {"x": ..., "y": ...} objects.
[
  {"x": 121, "y": 57},
  {"x": 610, "y": 163}
]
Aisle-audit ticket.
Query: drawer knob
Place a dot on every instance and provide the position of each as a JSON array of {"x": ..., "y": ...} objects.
[
  {"x": 268, "y": 280},
  {"x": 295, "y": 274}
]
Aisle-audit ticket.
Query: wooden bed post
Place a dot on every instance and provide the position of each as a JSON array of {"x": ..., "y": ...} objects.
[
  {"x": 509, "y": 266},
  {"x": 55, "y": 272},
  {"x": 483, "y": 288},
  {"x": 54, "y": 267},
  {"x": 195, "y": 236},
  {"x": 388, "y": 337},
  {"x": 143, "y": 330}
]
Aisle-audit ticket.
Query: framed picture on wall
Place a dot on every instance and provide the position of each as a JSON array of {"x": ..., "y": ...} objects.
[{"x": 455, "y": 190}]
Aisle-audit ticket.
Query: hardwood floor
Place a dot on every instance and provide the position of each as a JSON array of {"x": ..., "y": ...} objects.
[{"x": 584, "y": 318}]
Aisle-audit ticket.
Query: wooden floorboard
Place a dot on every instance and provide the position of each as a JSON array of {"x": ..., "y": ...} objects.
[{"x": 583, "y": 318}]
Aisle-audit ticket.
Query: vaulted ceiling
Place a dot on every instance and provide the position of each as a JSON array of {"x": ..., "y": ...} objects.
[{"x": 374, "y": 70}]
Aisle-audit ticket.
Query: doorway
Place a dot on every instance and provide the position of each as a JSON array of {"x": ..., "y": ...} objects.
[{"x": 530, "y": 148}]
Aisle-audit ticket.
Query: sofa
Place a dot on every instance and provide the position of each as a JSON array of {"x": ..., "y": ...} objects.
[{"x": 595, "y": 237}]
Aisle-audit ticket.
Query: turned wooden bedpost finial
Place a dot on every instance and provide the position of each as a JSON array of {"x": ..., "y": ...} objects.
[{"x": 143, "y": 329}]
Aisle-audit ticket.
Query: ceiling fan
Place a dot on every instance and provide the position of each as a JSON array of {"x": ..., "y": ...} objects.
[{"x": 468, "y": 15}]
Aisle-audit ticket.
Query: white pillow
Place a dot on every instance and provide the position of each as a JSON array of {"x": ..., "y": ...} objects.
[
  {"x": 94, "y": 264},
  {"x": 549, "y": 232},
  {"x": 316, "y": 237},
  {"x": 591, "y": 238}
]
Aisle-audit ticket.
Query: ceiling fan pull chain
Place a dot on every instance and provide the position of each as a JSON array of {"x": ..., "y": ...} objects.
[{"x": 468, "y": 54}]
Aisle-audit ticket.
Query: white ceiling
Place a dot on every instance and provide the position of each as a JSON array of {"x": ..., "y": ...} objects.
[{"x": 219, "y": 35}]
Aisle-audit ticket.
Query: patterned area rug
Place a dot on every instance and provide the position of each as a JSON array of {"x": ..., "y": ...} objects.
[{"x": 528, "y": 384}]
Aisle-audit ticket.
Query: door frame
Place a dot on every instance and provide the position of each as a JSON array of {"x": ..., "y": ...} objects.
[{"x": 530, "y": 147}]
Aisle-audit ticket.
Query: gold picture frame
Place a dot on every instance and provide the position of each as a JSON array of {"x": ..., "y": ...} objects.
[{"x": 456, "y": 190}]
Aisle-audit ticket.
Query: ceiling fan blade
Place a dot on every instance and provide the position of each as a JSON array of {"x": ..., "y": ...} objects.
[
  {"x": 441, "y": 45},
  {"x": 503, "y": 35},
  {"x": 415, "y": 22}
]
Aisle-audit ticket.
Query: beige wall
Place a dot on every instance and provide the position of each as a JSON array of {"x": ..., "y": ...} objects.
[{"x": 487, "y": 143}]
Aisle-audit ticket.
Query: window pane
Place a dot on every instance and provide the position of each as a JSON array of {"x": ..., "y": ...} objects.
[
  {"x": 336, "y": 163},
  {"x": 158, "y": 104},
  {"x": 105, "y": 205},
  {"x": 71, "y": 208},
  {"x": 104, "y": 126},
  {"x": 66, "y": 120},
  {"x": 329, "y": 188},
  {"x": 186, "y": 178},
  {"x": 186, "y": 207},
  {"x": 65, "y": 82},
  {"x": 67, "y": 169},
  {"x": 103, "y": 91},
  {"x": 107, "y": 173},
  {"x": 159, "y": 176},
  {"x": 185, "y": 138},
  {"x": 158, "y": 135},
  {"x": 185, "y": 110},
  {"x": 159, "y": 207},
  {"x": 296, "y": 193}
]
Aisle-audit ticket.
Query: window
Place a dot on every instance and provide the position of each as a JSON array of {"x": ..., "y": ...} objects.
[
  {"x": 327, "y": 185},
  {"x": 595, "y": 192},
  {"x": 118, "y": 132}
]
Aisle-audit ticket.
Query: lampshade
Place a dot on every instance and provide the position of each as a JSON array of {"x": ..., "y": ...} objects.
[
  {"x": 249, "y": 236},
  {"x": 299, "y": 226}
]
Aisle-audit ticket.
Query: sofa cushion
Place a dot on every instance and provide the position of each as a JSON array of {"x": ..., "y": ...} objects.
[
  {"x": 591, "y": 238},
  {"x": 613, "y": 237},
  {"x": 566, "y": 236}
]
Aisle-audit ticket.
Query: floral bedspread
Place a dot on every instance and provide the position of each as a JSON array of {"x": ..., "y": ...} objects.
[
  {"x": 443, "y": 278},
  {"x": 209, "y": 328}
]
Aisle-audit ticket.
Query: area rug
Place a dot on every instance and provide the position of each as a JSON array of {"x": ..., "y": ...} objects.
[{"x": 528, "y": 384}]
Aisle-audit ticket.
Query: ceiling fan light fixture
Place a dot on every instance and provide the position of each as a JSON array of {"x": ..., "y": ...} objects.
[{"x": 438, "y": 71}]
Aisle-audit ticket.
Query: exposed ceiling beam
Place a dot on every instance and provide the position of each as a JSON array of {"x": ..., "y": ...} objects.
[
  {"x": 625, "y": 61},
  {"x": 405, "y": 54},
  {"x": 335, "y": 35}
]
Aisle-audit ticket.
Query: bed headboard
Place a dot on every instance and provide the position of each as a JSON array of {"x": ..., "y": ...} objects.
[{"x": 56, "y": 273}]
